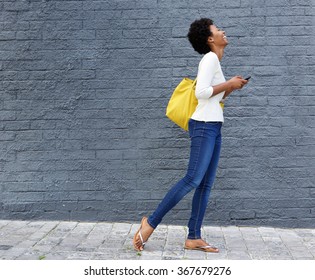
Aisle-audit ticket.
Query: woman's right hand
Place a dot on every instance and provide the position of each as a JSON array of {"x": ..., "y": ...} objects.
[{"x": 237, "y": 82}]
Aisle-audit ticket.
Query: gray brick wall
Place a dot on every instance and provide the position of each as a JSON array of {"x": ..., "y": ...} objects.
[{"x": 84, "y": 86}]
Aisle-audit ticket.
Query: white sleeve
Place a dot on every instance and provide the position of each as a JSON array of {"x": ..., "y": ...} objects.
[{"x": 207, "y": 68}]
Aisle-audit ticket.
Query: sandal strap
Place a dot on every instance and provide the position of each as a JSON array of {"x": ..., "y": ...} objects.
[
  {"x": 208, "y": 246},
  {"x": 142, "y": 241}
]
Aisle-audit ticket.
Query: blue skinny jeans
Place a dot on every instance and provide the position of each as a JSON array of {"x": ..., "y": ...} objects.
[{"x": 203, "y": 162}]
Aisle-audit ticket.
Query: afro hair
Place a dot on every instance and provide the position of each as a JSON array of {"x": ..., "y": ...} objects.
[{"x": 199, "y": 33}]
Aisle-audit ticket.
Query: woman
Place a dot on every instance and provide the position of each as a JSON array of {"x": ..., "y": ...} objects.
[{"x": 205, "y": 134}]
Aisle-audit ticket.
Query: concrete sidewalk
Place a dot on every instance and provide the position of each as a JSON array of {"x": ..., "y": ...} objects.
[{"x": 55, "y": 240}]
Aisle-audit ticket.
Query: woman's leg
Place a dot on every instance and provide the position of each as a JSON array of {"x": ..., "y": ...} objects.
[
  {"x": 200, "y": 156},
  {"x": 202, "y": 193}
]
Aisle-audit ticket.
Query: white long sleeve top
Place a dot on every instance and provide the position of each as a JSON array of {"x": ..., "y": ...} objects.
[{"x": 209, "y": 75}]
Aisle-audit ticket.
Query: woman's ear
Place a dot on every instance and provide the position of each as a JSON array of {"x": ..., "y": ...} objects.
[{"x": 210, "y": 40}]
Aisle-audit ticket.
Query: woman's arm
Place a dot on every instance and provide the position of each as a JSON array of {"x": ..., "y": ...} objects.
[
  {"x": 207, "y": 67},
  {"x": 236, "y": 82},
  {"x": 227, "y": 93}
]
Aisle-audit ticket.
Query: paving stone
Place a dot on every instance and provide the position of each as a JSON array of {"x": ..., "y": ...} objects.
[
  {"x": 210, "y": 235},
  {"x": 63, "y": 228},
  {"x": 13, "y": 253},
  {"x": 28, "y": 229},
  {"x": 130, "y": 257},
  {"x": 251, "y": 230},
  {"x": 103, "y": 227},
  {"x": 289, "y": 236},
  {"x": 30, "y": 256},
  {"x": 37, "y": 236},
  {"x": 173, "y": 254},
  {"x": 230, "y": 230},
  {"x": 174, "y": 243},
  {"x": 91, "y": 243},
  {"x": 16, "y": 224},
  {"x": 156, "y": 255},
  {"x": 81, "y": 230},
  {"x": 102, "y": 256},
  {"x": 267, "y": 230},
  {"x": 216, "y": 256},
  {"x": 3, "y": 223},
  {"x": 121, "y": 228},
  {"x": 235, "y": 243},
  {"x": 217, "y": 242},
  {"x": 304, "y": 232},
  {"x": 56, "y": 256},
  {"x": 259, "y": 255},
  {"x": 73, "y": 240},
  {"x": 293, "y": 243},
  {"x": 26, "y": 244},
  {"x": 112, "y": 243},
  {"x": 299, "y": 252},
  {"x": 194, "y": 255},
  {"x": 153, "y": 245},
  {"x": 79, "y": 256},
  {"x": 49, "y": 240},
  {"x": 43, "y": 248},
  {"x": 5, "y": 247},
  {"x": 272, "y": 239},
  {"x": 281, "y": 256},
  {"x": 279, "y": 252},
  {"x": 310, "y": 244},
  {"x": 255, "y": 234},
  {"x": 65, "y": 248},
  {"x": 238, "y": 255},
  {"x": 255, "y": 245}
]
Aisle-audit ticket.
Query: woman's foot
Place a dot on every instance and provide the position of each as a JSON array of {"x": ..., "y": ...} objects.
[
  {"x": 142, "y": 235},
  {"x": 200, "y": 245}
]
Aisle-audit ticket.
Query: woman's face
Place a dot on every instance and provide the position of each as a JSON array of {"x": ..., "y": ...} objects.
[{"x": 218, "y": 37}]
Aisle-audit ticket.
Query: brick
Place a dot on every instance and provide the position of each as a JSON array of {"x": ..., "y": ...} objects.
[
  {"x": 85, "y": 85},
  {"x": 292, "y": 20},
  {"x": 16, "y": 6},
  {"x": 68, "y": 5},
  {"x": 99, "y": 5},
  {"x": 301, "y": 2},
  {"x": 7, "y": 35},
  {"x": 252, "y": 3}
]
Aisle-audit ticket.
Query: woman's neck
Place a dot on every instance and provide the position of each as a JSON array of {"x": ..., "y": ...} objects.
[{"x": 218, "y": 51}]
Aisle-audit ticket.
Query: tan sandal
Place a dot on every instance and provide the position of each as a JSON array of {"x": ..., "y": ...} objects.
[
  {"x": 140, "y": 235},
  {"x": 207, "y": 248}
]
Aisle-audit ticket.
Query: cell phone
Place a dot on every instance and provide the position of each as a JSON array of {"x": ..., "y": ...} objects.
[{"x": 247, "y": 78}]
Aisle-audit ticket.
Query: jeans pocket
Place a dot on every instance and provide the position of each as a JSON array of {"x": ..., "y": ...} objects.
[
  {"x": 191, "y": 127},
  {"x": 198, "y": 129}
]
